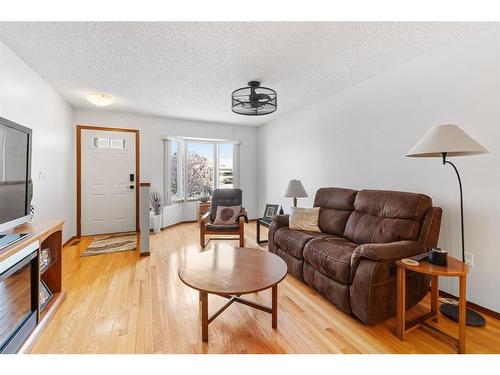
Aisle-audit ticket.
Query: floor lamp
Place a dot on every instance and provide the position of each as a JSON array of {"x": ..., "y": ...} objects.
[{"x": 444, "y": 141}]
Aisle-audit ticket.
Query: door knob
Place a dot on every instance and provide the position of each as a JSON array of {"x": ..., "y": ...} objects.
[{"x": 131, "y": 187}]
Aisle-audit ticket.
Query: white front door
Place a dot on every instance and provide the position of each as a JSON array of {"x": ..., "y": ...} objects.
[{"x": 108, "y": 179}]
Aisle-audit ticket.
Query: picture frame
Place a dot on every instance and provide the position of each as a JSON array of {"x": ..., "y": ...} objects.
[
  {"x": 45, "y": 295},
  {"x": 270, "y": 211},
  {"x": 45, "y": 259}
]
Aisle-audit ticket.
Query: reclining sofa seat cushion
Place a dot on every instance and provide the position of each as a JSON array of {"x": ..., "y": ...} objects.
[
  {"x": 292, "y": 241},
  {"x": 331, "y": 256}
]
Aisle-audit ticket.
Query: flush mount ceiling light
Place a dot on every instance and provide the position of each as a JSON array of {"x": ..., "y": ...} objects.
[
  {"x": 253, "y": 100},
  {"x": 100, "y": 99}
]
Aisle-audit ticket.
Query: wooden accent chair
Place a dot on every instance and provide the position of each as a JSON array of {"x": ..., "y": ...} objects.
[{"x": 223, "y": 197}]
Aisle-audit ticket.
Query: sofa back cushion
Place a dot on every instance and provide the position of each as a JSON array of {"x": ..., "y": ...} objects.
[
  {"x": 336, "y": 205},
  {"x": 382, "y": 216}
]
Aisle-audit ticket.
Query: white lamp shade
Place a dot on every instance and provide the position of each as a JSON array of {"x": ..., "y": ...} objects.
[
  {"x": 295, "y": 189},
  {"x": 449, "y": 139}
]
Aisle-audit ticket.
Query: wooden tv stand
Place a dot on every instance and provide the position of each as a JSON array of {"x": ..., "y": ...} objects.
[{"x": 49, "y": 235}]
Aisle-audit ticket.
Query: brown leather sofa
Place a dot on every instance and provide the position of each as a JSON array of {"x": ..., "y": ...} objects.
[{"x": 352, "y": 261}]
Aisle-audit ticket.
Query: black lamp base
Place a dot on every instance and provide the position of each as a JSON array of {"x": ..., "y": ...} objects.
[{"x": 472, "y": 318}]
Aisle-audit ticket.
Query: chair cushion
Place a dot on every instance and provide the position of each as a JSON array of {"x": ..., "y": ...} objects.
[
  {"x": 293, "y": 241},
  {"x": 331, "y": 255},
  {"x": 211, "y": 226}
]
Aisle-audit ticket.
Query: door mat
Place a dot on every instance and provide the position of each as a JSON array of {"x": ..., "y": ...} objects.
[{"x": 111, "y": 243}]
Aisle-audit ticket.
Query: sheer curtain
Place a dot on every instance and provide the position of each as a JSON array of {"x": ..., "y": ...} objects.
[{"x": 167, "y": 180}]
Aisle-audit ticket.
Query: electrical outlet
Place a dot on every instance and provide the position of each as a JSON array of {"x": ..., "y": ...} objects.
[{"x": 469, "y": 259}]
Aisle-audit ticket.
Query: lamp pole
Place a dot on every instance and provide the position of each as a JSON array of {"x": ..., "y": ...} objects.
[
  {"x": 461, "y": 202},
  {"x": 451, "y": 311}
]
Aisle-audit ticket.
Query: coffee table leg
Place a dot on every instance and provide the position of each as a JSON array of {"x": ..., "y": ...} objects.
[
  {"x": 275, "y": 306},
  {"x": 204, "y": 316}
]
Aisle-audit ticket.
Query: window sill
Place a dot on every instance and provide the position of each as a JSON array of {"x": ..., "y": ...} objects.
[{"x": 187, "y": 200}]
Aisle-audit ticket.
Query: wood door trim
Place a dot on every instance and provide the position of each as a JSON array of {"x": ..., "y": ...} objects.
[{"x": 79, "y": 129}]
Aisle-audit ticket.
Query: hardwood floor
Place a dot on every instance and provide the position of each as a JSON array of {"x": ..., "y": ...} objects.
[{"x": 121, "y": 303}]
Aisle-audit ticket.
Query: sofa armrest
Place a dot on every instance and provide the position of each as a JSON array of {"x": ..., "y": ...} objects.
[
  {"x": 389, "y": 252},
  {"x": 279, "y": 221},
  {"x": 385, "y": 252}
]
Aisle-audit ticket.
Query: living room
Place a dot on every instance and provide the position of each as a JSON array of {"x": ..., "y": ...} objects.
[{"x": 250, "y": 187}]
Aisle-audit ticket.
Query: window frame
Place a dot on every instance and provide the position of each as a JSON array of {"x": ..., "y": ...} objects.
[{"x": 182, "y": 144}]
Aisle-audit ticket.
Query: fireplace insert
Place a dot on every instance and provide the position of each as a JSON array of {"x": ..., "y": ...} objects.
[{"x": 18, "y": 298}]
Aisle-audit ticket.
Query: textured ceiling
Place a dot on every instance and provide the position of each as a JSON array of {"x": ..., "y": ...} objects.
[{"x": 189, "y": 69}]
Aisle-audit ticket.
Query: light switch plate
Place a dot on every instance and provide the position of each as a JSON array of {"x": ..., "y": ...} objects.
[{"x": 42, "y": 175}]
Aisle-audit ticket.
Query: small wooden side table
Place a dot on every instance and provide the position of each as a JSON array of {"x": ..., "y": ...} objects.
[
  {"x": 201, "y": 209},
  {"x": 265, "y": 222},
  {"x": 454, "y": 268}
]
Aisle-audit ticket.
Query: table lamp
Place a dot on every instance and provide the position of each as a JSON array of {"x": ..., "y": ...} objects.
[
  {"x": 444, "y": 141},
  {"x": 295, "y": 190}
]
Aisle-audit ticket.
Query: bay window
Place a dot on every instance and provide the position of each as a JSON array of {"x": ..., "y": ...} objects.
[{"x": 194, "y": 167}]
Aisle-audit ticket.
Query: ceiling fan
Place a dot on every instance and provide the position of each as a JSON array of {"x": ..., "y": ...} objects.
[{"x": 253, "y": 100}]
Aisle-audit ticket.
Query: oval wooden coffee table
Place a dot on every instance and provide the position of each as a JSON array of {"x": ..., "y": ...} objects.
[{"x": 231, "y": 273}]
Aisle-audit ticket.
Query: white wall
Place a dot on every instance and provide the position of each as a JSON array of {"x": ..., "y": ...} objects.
[
  {"x": 28, "y": 100},
  {"x": 358, "y": 138},
  {"x": 152, "y": 129}
]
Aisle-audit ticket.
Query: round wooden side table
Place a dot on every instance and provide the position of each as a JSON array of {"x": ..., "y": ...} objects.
[{"x": 454, "y": 268}]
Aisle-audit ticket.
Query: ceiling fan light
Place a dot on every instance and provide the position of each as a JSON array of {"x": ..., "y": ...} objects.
[{"x": 100, "y": 99}]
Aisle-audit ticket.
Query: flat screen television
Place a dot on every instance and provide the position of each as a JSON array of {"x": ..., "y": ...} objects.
[{"x": 15, "y": 175}]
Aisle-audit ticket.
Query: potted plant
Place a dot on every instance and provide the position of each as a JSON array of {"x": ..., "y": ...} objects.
[
  {"x": 206, "y": 193},
  {"x": 156, "y": 205}
]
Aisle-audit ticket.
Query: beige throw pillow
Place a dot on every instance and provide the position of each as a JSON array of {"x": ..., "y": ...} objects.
[
  {"x": 305, "y": 219},
  {"x": 227, "y": 215}
]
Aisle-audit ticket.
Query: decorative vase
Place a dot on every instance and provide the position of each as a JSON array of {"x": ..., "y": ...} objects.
[
  {"x": 281, "y": 210},
  {"x": 157, "y": 223}
]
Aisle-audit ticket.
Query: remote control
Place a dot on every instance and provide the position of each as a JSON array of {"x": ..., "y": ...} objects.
[{"x": 420, "y": 257}]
